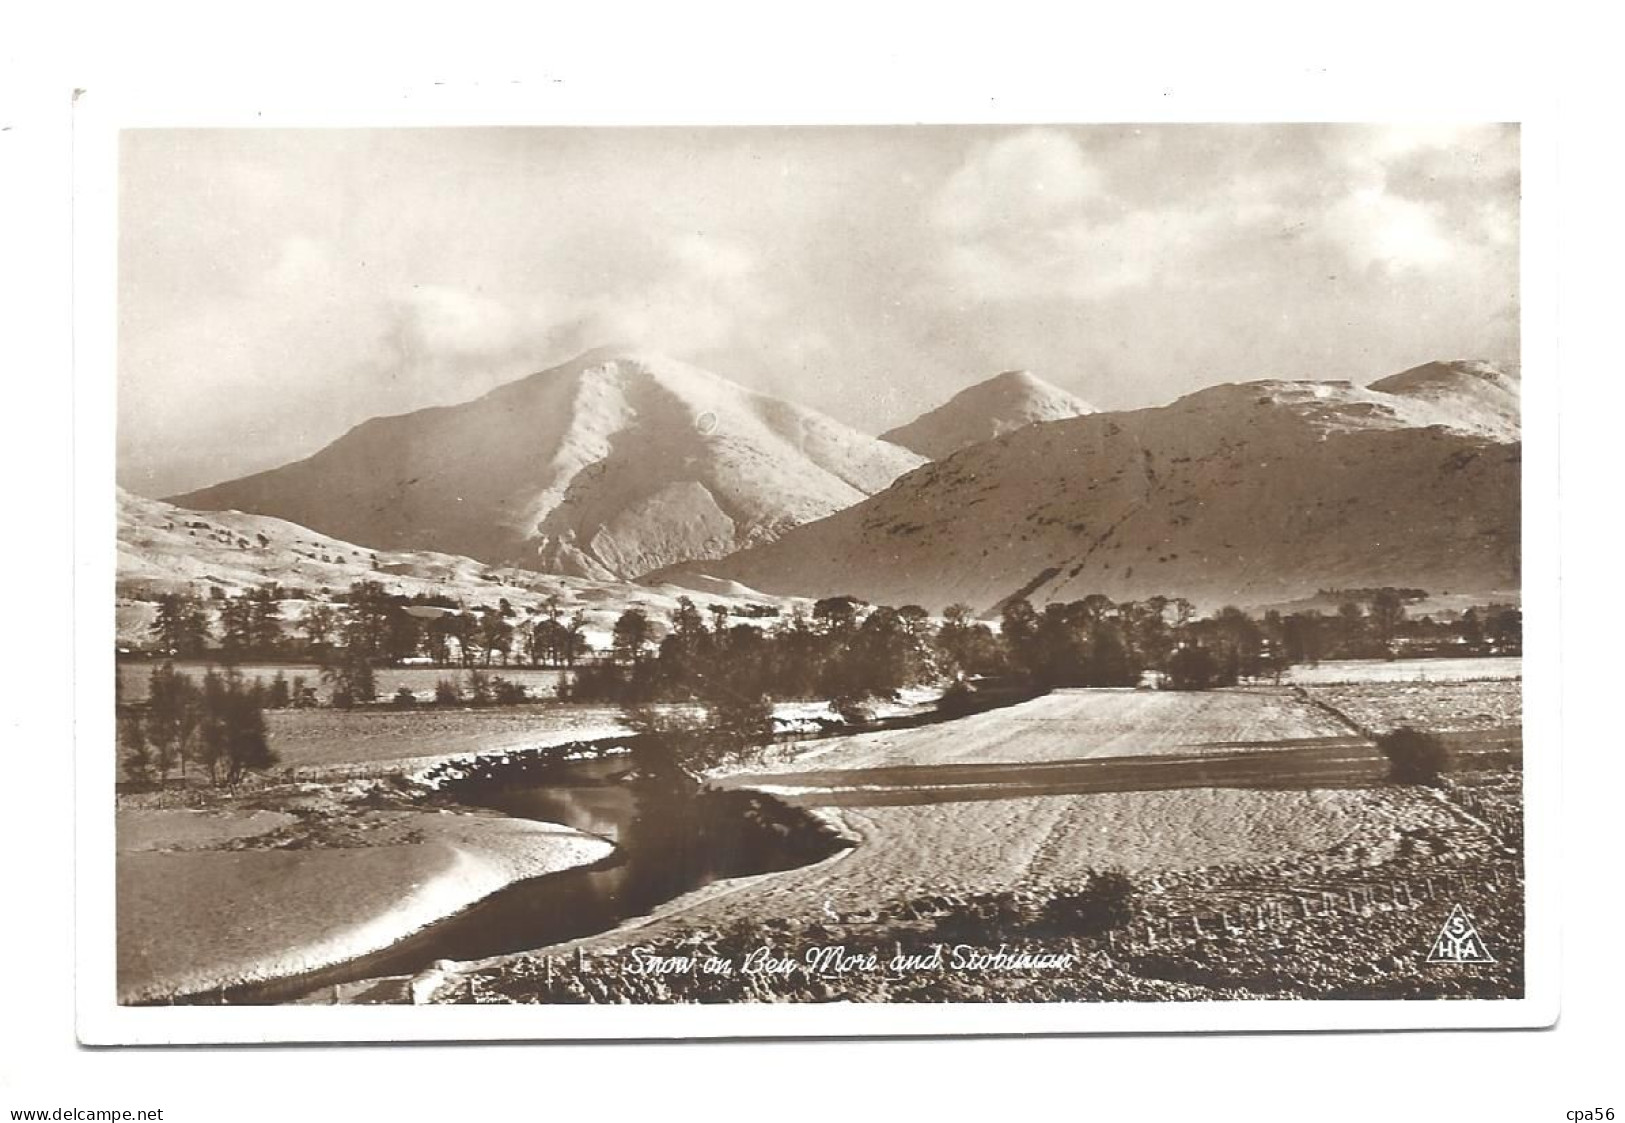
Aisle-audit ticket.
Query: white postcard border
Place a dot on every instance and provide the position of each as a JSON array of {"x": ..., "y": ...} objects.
[{"x": 101, "y": 114}]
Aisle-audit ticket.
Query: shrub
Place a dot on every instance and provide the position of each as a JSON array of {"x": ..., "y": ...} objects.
[
  {"x": 684, "y": 741},
  {"x": 446, "y": 693},
  {"x": 231, "y": 735},
  {"x": 983, "y": 918},
  {"x": 854, "y": 710},
  {"x": 507, "y": 692},
  {"x": 1192, "y": 668},
  {"x": 596, "y": 683},
  {"x": 1414, "y": 757},
  {"x": 140, "y": 763},
  {"x": 279, "y": 696},
  {"x": 405, "y": 697},
  {"x": 958, "y": 700},
  {"x": 1107, "y": 902},
  {"x": 351, "y": 679}
]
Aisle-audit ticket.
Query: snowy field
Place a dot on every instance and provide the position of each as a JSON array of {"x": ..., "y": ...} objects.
[
  {"x": 1501, "y": 667},
  {"x": 1140, "y": 781},
  {"x": 540, "y": 682},
  {"x": 193, "y": 919},
  {"x": 1442, "y": 707},
  {"x": 357, "y": 741}
]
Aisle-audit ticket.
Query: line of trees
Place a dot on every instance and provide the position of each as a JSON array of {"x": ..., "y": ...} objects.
[
  {"x": 214, "y": 728},
  {"x": 850, "y": 652},
  {"x": 367, "y": 622},
  {"x": 842, "y": 650}
]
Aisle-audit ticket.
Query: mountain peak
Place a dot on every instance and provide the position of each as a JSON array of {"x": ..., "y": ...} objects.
[
  {"x": 1470, "y": 397},
  {"x": 1242, "y": 493},
  {"x": 1021, "y": 378},
  {"x": 611, "y": 465},
  {"x": 1447, "y": 372},
  {"x": 1008, "y": 401},
  {"x": 605, "y": 353}
]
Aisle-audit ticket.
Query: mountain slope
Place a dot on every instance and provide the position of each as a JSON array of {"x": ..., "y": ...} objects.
[
  {"x": 990, "y": 409},
  {"x": 1250, "y": 494},
  {"x": 607, "y": 467},
  {"x": 166, "y": 549},
  {"x": 1472, "y": 397},
  {"x": 163, "y": 548}
]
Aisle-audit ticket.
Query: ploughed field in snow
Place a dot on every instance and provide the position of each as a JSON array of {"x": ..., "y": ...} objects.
[
  {"x": 1081, "y": 724},
  {"x": 1464, "y": 707},
  {"x": 1043, "y": 793}
]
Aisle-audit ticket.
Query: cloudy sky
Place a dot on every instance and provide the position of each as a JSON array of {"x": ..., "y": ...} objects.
[{"x": 279, "y": 287}]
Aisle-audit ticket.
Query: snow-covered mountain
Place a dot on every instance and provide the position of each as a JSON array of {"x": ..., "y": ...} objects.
[
  {"x": 1473, "y": 397},
  {"x": 167, "y": 549},
  {"x": 1251, "y": 493},
  {"x": 989, "y": 409},
  {"x": 609, "y": 466}
]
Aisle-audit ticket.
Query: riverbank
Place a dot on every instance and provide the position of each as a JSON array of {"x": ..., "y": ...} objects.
[
  {"x": 215, "y": 898},
  {"x": 282, "y": 890}
]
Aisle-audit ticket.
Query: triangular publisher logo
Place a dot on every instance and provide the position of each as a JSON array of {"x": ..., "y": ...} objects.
[{"x": 1459, "y": 941}]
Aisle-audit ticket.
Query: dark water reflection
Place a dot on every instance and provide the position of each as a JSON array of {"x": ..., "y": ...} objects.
[{"x": 668, "y": 840}]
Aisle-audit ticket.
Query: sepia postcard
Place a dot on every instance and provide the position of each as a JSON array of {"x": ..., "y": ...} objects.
[{"x": 579, "y": 580}]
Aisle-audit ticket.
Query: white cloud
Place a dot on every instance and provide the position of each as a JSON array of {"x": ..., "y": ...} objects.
[
  {"x": 1017, "y": 183},
  {"x": 689, "y": 292},
  {"x": 1034, "y": 216},
  {"x": 1388, "y": 141},
  {"x": 452, "y": 322},
  {"x": 302, "y": 263},
  {"x": 1424, "y": 197},
  {"x": 698, "y": 256},
  {"x": 1373, "y": 227},
  {"x": 1483, "y": 147},
  {"x": 1031, "y": 217},
  {"x": 1017, "y": 219},
  {"x": 702, "y": 293}
]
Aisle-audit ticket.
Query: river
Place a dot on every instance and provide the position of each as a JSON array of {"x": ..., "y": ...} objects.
[{"x": 668, "y": 840}]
